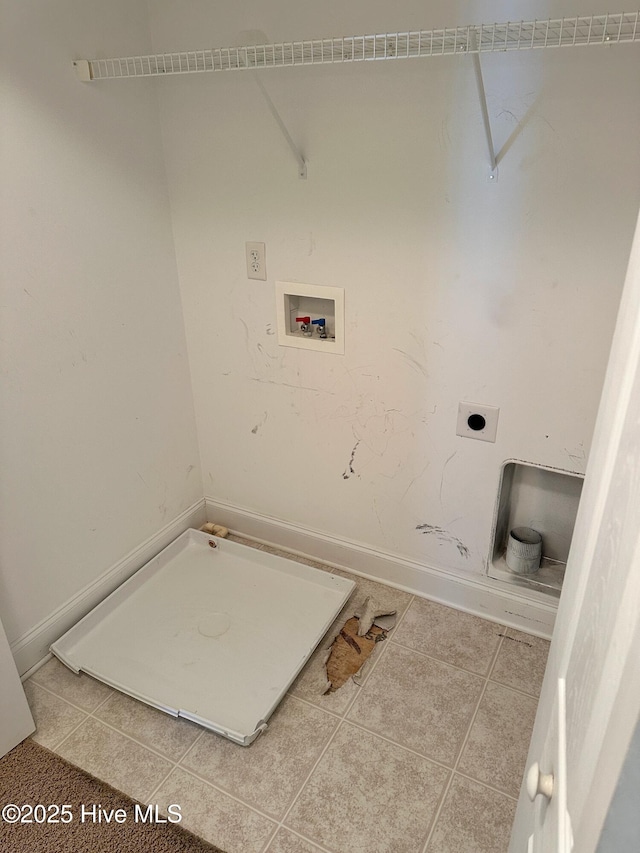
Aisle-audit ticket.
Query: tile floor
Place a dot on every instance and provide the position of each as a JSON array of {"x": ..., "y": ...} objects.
[{"x": 425, "y": 755}]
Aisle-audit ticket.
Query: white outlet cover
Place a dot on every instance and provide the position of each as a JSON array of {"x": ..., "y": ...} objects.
[
  {"x": 256, "y": 261},
  {"x": 469, "y": 426}
]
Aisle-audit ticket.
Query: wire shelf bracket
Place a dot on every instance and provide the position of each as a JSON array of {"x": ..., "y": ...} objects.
[
  {"x": 302, "y": 165},
  {"x": 610, "y": 29},
  {"x": 493, "y": 174}
]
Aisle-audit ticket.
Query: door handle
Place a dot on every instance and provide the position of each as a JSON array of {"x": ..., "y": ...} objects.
[{"x": 538, "y": 782}]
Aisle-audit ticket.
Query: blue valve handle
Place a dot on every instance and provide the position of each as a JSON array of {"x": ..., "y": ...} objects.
[{"x": 320, "y": 322}]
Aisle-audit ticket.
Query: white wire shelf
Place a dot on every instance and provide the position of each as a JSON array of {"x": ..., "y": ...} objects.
[{"x": 613, "y": 28}]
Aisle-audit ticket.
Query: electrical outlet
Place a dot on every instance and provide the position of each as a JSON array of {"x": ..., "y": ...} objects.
[{"x": 256, "y": 261}]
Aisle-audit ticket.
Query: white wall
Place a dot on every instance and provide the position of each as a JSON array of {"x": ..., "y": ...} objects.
[
  {"x": 456, "y": 289},
  {"x": 98, "y": 445}
]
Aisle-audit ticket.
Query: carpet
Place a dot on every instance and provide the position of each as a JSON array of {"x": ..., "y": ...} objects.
[{"x": 31, "y": 775}]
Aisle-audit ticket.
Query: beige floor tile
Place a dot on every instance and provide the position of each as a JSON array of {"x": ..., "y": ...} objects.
[
  {"x": 450, "y": 635},
  {"x": 270, "y": 772},
  {"x": 54, "y": 718},
  {"x": 288, "y": 842},
  {"x": 80, "y": 690},
  {"x": 115, "y": 759},
  {"x": 368, "y": 795},
  {"x": 213, "y": 815},
  {"x": 496, "y": 750},
  {"x": 521, "y": 662},
  {"x": 474, "y": 819},
  {"x": 170, "y": 736},
  {"x": 418, "y": 702}
]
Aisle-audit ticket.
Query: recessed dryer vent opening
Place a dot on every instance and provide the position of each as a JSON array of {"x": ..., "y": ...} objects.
[
  {"x": 310, "y": 316},
  {"x": 545, "y": 500}
]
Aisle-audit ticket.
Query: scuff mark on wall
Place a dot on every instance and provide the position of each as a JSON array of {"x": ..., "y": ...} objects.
[
  {"x": 290, "y": 385},
  {"x": 375, "y": 509},
  {"x": 260, "y": 423},
  {"x": 414, "y": 479},
  {"x": 163, "y": 507},
  {"x": 443, "y": 535},
  {"x": 262, "y": 351},
  {"x": 413, "y": 362},
  {"x": 449, "y": 458},
  {"x": 579, "y": 456},
  {"x": 246, "y": 333},
  {"x": 349, "y": 470}
]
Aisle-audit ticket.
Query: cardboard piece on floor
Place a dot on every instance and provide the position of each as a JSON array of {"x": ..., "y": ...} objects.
[{"x": 350, "y": 651}]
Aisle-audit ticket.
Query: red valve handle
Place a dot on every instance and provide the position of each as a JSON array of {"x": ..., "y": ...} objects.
[{"x": 306, "y": 320}]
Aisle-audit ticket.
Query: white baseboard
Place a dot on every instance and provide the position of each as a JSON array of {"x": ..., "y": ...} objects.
[
  {"x": 482, "y": 596},
  {"x": 31, "y": 649},
  {"x": 485, "y": 597}
]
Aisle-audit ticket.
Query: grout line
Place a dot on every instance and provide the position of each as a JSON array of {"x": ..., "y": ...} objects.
[
  {"x": 307, "y": 777},
  {"x": 367, "y": 675},
  {"x": 91, "y": 715},
  {"x": 356, "y": 725},
  {"x": 176, "y": 764},
  {"x": 310, "y": 841},
  {"x": 133, "y": 739},
  {"x": 73, "y": 704},
  {"x": 465, "y": 740},
  {"x": 488, "y": 677},
  {"x": 376, "y": 659},
  {"x": 155, "y": 790},
  {"x": 311, "y": 704},
  {"x": 226, "y": 793},
  {"x": 199, "y": 737},
  {"x": 104, "y": 702},
  {"x": 86, "y": 713},
  {"x": 535, "y": 696},
  {"x": 441, "y": 660},
  {"x": 486, "y": 785},
  {"x": 402, "y": 617}
]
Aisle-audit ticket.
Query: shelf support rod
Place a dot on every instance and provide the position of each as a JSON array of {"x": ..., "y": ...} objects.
[
  {"x": 302, "y": 166},
  {"x": 473, "y": 45}
]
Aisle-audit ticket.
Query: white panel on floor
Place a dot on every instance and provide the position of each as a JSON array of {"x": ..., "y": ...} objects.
[{"x": 212, "y": 634}]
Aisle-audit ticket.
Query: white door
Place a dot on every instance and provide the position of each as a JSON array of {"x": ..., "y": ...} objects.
[
  {"x": 594, "y": 658},
  {"x": 16, "y": 722}
]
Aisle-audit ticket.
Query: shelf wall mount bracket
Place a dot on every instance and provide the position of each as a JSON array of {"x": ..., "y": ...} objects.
[
  {"x": 83, "y": 70},
  {"x": 475, "y": 55},
  {"x": 302, "y": 165}
]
